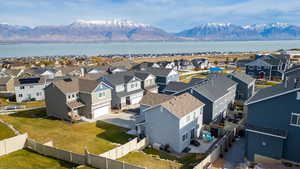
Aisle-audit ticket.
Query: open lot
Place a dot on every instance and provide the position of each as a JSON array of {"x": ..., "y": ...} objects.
[
  {"x": 73, "y": 137},
  {"x": 28, "y": 160},
  {"x": 5, "y": 132}
]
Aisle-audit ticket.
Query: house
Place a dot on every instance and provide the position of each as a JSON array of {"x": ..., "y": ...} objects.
[
  {"x": 7, "y": 85},
  {"x": 72, "y": 71},
  {"x": 171, "y": 121},
  {"x": 148, "y": 81},
  {"x": 268, "y": 67},
  {"x": 218, "y": 93},
  {"x": 30, "y": 88},
  {"x": 126, "y": 88},
  {"x": 48, "y": 73},
  {"x": 246, "y": 85},
  {"x": 201, "y": 63},
  {"x": 184, "y": 64},
  {"x": 145, "y": 65},
  {"x": 177, "y": 87},
  {"x": 163, "y": 76},
  {"x": 294, "y": 71},
  {"x": 273, "y": 123},
  {"x": 73, "y": 98},
  {"x": 166, "y": 64}
]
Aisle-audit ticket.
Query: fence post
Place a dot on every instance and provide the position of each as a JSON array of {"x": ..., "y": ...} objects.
[{"x": 106, "y": 164}]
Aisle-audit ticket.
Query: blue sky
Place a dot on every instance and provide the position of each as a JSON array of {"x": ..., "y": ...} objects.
[{"x": 171, "y": 15}]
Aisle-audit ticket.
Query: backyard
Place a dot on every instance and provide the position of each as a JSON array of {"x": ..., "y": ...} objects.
[
  {"x": 5, "y": 132},
  {"x": 5, "y": 102},
  {"x": 29, "y": 160},
  {"x": 155, "y": 159},
  {"x": 73, "y": 137},
  {"x": 187, "y": 78}
]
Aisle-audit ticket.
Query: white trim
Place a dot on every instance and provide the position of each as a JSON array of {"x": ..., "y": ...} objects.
[
  {"x": 270, "y": 97},
  {"x": 272, "y": 135}
]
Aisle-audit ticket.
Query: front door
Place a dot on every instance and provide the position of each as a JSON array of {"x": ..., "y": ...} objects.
[
  {"x": 128, "y": 100},
  {"x": 261, "y": 75},
  {"x": 193, "y": 133}
]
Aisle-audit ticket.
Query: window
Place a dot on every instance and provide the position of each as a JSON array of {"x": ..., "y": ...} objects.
[
  {"x": 295, "y": 119},
  {"x": 101, "y": 94},
  {"x": 73, "y": 95},
  {"x": 22, "y": 87},
  {"x": 250, "y": 67},
  {"x": 184, "y": 137},
  {"x": 20, "y": 95},
  {"x": 298, "y": 96},
  {"x": 132, "y": 85},
  {"x": 31, "y": 86},
  {"x": 69, "y": 96},
  {"x": 188, "y": 118},
  {"x": 258, "y": 68},
  {"x": 37, "y": 94}
]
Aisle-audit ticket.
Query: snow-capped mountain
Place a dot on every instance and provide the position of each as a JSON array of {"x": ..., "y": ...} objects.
[
  {"x": 124, "y": 30},
  {"x": 213, "y": 31},
  {"x": 85, "y": 31}
]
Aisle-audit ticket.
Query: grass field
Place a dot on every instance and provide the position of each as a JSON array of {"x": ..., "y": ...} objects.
[
  {"x": 5, "y": 132},
  {"x": 150, "y": 159},
  {"x": 187, "y": 78},
  {"x": 28, "y": 160},
  {"x": 73, "y": 137},
  {"x": 5, "y": 102}
]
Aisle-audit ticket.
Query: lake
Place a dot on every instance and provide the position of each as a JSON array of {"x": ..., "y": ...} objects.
[{"x": 49, "y": 49}]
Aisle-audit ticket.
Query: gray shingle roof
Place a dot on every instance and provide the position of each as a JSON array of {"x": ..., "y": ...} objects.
[
  {"x": 273, "y": 91},
  {"x": 120, "y": 77},
  {"x": 153, "y": 99},
  {"x": 179, "y": 86},
  {"x": 215, "y": 87},
  {"x": 158, "y": 71},
  {"x": 242, "y": 77}
]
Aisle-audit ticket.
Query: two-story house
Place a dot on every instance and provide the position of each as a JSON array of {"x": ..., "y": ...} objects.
[
  {"x": 201, "y": 63},
  {"x": 148, "y": 81},
  {"x": 273, "y": 123},
  {"x": 217, "y": 93},
  {"x": 30, "y": 88},
  {"x": 73, "y": 98},
  {"x": 246, "y": 85},
  {"x": 268, "y": 67},
  {"x": 181, "y": 117},
  {"x": 126, "y": 88},
  {"x": 163, "y": 76}
]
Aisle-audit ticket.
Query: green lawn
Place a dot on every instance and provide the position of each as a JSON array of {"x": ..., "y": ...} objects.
[
  {"x": 5, "y": 132},
  {"x": 28, "y": 160},
  {"x": 150, "y": 159},
  {"x": 5, "y": 102},
  {"x": 73, "y": 137}
]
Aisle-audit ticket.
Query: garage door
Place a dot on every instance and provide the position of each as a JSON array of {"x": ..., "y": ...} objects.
[
  {"x": 136, "y": 100},
  {"x": 100, "y": 111}
]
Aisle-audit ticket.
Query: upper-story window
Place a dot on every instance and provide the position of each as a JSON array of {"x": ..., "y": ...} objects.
[
  {"x": 258, "y": 67},
  {"x": 188, "y": 118},
  {"x": 251, "y": 67},
  {"x": 101, "y": 94},
  {"x": 69, "y": 96},
  {"x": 298, "y": 96},
  {"x": 295, "y": 119},
  {"x": 22, "y": 87}
]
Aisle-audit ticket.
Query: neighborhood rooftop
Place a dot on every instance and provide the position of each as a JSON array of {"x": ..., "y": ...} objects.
[
  {"x": 215, "y": 87},
  {"x": 288, "y": 86}
]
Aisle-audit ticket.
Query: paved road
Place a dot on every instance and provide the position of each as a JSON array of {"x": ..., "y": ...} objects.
[{"x": 235, "y": 155}]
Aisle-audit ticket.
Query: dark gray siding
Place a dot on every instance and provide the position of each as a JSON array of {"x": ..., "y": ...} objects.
[
  {"x": 276, "y": 113},
  {"x": 56, "y": 103}
]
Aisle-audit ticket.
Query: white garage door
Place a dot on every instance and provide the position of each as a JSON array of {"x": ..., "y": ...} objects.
[
  {"x": 101, "y": 111},
  {"x": 136, "y": 100}
]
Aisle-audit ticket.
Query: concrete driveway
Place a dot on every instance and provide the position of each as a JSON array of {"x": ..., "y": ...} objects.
[{"x": 122, "y": 119}]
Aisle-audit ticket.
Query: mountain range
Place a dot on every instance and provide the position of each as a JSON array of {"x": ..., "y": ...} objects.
[{"x": 123, "y": 30}]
